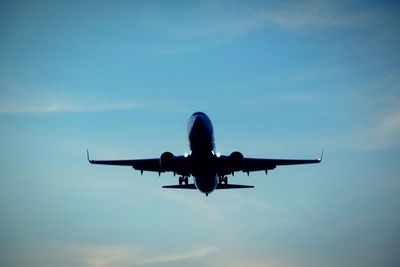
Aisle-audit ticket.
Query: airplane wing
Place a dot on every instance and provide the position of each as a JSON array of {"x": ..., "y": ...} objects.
[
  {"x": 138, "y": 164},
  {"x": 233, "y": 186},
  {"x": 260, "y": 164},
  {"x": 152, "y": 165},
  {"x": 183, "y": 186},
  {"x": 253, "y": 164},
  {"x": 219, "y": 186}
]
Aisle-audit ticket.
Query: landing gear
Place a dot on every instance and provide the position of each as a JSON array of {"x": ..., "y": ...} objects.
[
  {"x": 183, "y": 180},
  {"x": 223, "y": 180}
]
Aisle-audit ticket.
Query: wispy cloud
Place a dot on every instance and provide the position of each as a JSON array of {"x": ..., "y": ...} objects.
[
  {"x": 17, "y": 98},
  {"x": 201, "y": 252},
  {"x": 384, "y": 133},
  {"x": 258, "y": 263},
  {"x": 23, "y": 99},
  {"x": 220, "y": 21},
  {"x": 58, "y": 106},
  {"x": 92, "y": 255},
  {"x": 95, "y": 255},
  {"x": 313, "y": 14}
]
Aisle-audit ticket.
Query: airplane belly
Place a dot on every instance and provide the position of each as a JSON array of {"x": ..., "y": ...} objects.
[{"x": 206, "y": 183}]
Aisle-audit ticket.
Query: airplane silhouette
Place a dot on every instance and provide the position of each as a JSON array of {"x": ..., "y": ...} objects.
[{"x": 208, "y": 168}]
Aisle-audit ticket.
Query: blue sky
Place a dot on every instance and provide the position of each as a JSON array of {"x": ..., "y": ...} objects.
[{"x": 122, "y": 78}]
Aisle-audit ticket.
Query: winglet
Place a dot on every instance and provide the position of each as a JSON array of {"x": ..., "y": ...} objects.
[
  {"x": 87, "y": 154},
  {"x": 322, "y": 155}
]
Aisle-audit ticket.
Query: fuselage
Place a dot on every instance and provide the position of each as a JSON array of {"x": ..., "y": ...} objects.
[{"x": 202, "y": 155}]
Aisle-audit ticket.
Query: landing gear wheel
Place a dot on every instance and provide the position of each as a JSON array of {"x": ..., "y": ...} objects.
[
  {"x": 183, "y": 180},
  {"x": 223, "y": 180}
]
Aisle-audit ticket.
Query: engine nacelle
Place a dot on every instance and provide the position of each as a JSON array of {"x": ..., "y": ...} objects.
[
  {"x": 167, "y": 161},
  {"x": 236, "y": 161}
]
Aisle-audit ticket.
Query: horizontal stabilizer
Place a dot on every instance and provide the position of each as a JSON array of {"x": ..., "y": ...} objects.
[
  {"x": 184, "y": 186},
  {"x": 233, "y": 186}
]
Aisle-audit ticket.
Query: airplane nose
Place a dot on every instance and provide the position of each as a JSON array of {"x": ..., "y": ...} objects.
[
  {"x": 197, "y": 122},
  {"x": 199, "y": 128},
  {"x": 195, "y": 125}
]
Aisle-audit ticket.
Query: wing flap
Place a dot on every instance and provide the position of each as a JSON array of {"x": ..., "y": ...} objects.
[
  {"x": 233, "y": 186},
  {"x": 253, "y": 164},
  {"x": 184, "y": 186}
]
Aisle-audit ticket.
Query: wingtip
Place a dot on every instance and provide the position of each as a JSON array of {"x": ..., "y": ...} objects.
[
  {"x": 322, "y": 155},
  {"x": 87, "y": 155}
]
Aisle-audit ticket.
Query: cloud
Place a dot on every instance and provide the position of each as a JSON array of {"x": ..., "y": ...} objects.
[
  {"x": 16, "y": 98},
  {"x": 257, "y": 263},
  {"x": 374, "y": 130},
  {"x": 55, "y": 106},
  {"x": 24, "y": 99},
  {"x": 71, "y": 254},
  {"x": 94, "y": 255},
  {"x": 213, "y": 23},
  {"x": 385, "y": 133},
  {"x": 201, "y": 252},
  {"x": 313, "y": 14},
  {"x": 223, "y": 21}
]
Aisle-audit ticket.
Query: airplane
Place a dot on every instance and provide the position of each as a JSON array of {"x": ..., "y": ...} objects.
[{"x": 208, "y": 168}]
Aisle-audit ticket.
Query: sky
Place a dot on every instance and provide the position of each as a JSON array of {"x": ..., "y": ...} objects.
[{"x": 279, "y": 79}]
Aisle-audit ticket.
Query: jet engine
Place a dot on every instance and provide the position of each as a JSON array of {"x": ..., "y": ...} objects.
[
  {"x": 236, "y": 161},
  {"x": 167, "y": 161}
]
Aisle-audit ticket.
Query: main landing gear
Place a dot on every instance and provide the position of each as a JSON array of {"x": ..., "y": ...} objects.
[
  {"x": 223, "y": 180},
  {"x": 183, "y": 180}
]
